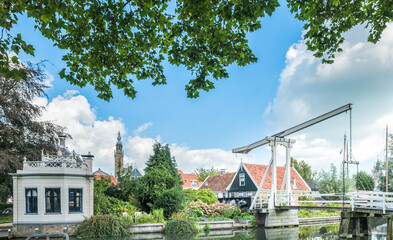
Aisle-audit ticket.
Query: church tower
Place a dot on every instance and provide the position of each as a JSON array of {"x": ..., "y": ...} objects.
[{"x": 119, "y": 155}]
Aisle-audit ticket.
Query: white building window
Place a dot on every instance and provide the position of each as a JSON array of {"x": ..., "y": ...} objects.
[
  {"x": 52, "y": 200},
  {"x": 31, "y": 200},
  {"x": 249, "y": 194},
  {"x": 242, "y": 179},
  {"x": 75, "y": 200},
  {"x": 194, "y": 184}
]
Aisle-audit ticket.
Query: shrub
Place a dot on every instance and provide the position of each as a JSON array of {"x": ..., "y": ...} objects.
[
  {"x": 4, "y": 206},
  {"x": 171, "y": 200},
  {"x": 180, "y": 226},
  {"x": 179, "y": 215},
  {"x": 206, "y": 229},
  {"x": 144, "y": 218},
  {"x": 200, "y": 209},
  {"x": 231, "y": 212},
  {"x": 103, "y": 226},
  {"x": 205, "y": 195},
  {"x": 158, "y": 215}
]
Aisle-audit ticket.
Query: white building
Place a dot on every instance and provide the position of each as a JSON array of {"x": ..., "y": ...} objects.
[{"x": 58, "y": 190}]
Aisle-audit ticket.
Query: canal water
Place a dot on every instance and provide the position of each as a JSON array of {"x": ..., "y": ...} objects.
[{"x": 316, "y": 232}]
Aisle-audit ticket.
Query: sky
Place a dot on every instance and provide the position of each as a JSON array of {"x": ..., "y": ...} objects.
[{"x": 287, "y": 86}]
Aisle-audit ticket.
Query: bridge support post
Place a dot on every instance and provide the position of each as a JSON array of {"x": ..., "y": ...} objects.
[
  {"x": 389, "y": 232},
  {"x": 281, "y": 218},
  {"x": 354, "y": 224}
]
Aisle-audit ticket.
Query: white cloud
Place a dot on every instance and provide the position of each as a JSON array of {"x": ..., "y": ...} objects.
[
  {"x": 89, "y": 134},
  {"x": 49, "y": 78},
  {"x": 99, "y": 137},
  {"x": 360, "y": 75},
  {"x": 188, "y": 160},
  {"x": 142, "y": 128}
]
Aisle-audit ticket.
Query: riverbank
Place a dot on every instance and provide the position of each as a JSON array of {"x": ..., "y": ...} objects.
[
  {"x": 4, "y": 230},
  {"x": 212, "y": 225}
]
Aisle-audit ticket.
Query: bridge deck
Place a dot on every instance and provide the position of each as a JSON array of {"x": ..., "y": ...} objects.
[{"x": 374, "y": 210}]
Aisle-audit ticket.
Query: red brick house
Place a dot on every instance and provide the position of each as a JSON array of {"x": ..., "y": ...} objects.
[{"x": 190, "y": 180}]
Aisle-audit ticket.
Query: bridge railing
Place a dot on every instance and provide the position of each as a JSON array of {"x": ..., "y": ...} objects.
[
  {"x": 313, "y": 199},
  {"x": 354, "y": 200},
  {"x": 372, "y": 200}
]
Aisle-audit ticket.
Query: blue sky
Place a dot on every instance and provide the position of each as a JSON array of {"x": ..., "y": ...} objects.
[{"x": 285, "y": 87}]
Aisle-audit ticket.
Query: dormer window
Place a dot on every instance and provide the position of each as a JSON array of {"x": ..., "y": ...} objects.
[{"x": 242, "y": 179}]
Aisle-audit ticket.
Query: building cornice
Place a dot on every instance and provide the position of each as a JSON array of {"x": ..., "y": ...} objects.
[{"x": 52, "y": 174}]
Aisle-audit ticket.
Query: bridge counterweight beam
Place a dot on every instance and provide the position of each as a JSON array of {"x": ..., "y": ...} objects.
[{"x": 273, "y": 191}]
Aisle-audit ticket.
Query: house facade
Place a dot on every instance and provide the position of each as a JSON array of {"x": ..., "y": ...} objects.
[
  {"x": 190, "y": 180},
  {"x": 219, "y": 185},
  {"x": 52, "y": 193},
  {"x": 243, "y": 184},
  {"x": 249, "y": 176}
]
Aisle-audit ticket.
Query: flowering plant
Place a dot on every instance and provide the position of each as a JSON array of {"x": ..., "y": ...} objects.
[{"x": 199, "y": 209}]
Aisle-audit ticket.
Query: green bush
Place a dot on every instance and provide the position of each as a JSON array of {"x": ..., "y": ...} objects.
[
  {"x": 180, "y": 226},
  {"x": 205, "y": 195},
  {"x": 206, "y": 229},
  {"x": 156, "y": 217},
  {"x": 144, "y": 218},
  {"x": 103, "y": 226},
  {"x": 171, "y": 200},
  {"x": 4, "y": 206},
  {"x": 231, "y": 212}
]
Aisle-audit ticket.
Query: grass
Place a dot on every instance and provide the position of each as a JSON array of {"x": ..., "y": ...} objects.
[{"x": 6, "y": 219}]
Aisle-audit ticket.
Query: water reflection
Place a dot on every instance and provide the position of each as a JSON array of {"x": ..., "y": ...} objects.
[{"x": 321, "y": 232}]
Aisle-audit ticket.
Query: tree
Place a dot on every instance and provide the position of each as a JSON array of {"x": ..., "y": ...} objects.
[
  {"x": 114, "y": 43},
  {"x": 331, "y": 181},
  {"x": 380, "y": 169},
  {"x": 364, "y": 181},
  {"x": 304, "y": 169},
  {"x": 203, "y": 173},
  {"x": 21, "y": 134},
  {"x": 161, "y": 186}
]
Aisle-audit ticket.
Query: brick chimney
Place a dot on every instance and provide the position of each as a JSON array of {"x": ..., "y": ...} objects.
[{"x": 62, "y": 140}]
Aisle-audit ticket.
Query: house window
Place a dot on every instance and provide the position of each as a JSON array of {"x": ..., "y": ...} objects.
[
  {"x": 75, "y": 200},
  {"x": 245, "y": 194},
  {"x": 194, "y": 184},
  {"x": 242, "y": 179},
  {"x": 31, "y": 200},
  {"x": 249, "y": 194},
  {"x": 52, "y": 200},
  {"x": 232, "y": 194}
]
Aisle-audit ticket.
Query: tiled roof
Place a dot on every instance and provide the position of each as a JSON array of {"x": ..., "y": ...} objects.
[
  {"x": 257, "y": 171},
  {"x": 218, "y": 182},
  {"x": 101, "y": 174},
  {"x": 187, "y": 178}
]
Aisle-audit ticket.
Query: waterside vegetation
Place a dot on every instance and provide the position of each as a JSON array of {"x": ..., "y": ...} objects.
[{"x": 157, "y": 197}]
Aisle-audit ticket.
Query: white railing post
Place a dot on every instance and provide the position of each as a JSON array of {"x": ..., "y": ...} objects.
[
  {"x": 384, "y": 203},
  {"x": 353, "y": 201}
]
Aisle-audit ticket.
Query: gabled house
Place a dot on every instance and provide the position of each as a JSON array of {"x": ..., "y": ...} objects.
[
  {"x": 190, "y": 180},
  {"x": 136, "y": 173},
  {"x": 219, "y": 184},
  {"x": 248, "y": 177},
  {"x": 99, "y": 174}
]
